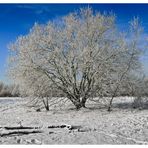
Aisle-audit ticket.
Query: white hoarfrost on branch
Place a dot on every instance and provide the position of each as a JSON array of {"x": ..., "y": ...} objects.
[{"x": 83, "y": 55}]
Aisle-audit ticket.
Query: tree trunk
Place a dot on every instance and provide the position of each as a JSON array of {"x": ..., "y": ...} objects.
[
  {"x": 110, "y": 104},
  {"x": 78, "y": 103},
  {"x": 46, "y": 105},
  {"x": 109, "y": 108},
  {"x": 83, "y": 101}
]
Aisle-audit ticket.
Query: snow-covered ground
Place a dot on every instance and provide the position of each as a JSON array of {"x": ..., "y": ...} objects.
[{"x": 123, "y": 125}]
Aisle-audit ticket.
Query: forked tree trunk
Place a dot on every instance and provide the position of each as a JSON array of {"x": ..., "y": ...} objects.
[
  {"x": 79, "y": 103},
  {"x": 46, "y": 105}
]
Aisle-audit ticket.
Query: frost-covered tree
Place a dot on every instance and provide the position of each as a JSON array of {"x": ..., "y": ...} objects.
[
  {"x": 131, "y": 65},
  {"x": 79, "y": 55}
]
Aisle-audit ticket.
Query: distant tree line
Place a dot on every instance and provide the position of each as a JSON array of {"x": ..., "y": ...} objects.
[
  {"x": 9, "y": 90},
  {"x": 133, "y": 87}
]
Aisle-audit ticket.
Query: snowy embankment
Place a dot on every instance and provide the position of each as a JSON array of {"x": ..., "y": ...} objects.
[{"x": 94, "y": 125}]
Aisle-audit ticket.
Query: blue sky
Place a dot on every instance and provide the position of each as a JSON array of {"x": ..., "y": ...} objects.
[{"x": 17, "y": 19}]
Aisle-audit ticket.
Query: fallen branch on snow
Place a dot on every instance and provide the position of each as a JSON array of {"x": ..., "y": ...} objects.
[
  {"x": 19, "y": 133},
  {"x": 70, "y": 127},
  {"x": 19, "y": 127}
]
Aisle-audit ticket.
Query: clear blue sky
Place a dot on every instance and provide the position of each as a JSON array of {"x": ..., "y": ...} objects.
[{"x": 17, "y": 19}]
